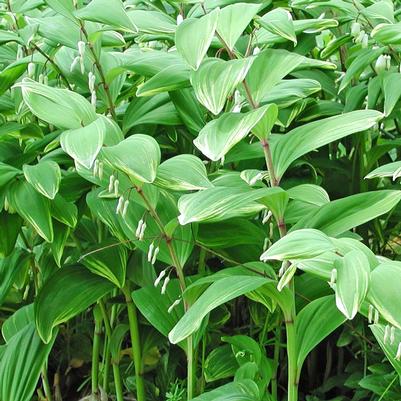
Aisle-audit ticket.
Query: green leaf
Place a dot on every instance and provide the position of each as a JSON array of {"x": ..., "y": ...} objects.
[
  {"x": 183, "y": 173},
  {"x": 61, "y": 107},
  {"x": 387, "y": 170},
  {"x": 301, "y": 140},
  {"x": 233, "y": 20},
  {"x": 220, "y": 364},
  {"x": 389, "y": 347},
  {"x": 314, "y": 323},
  {"x": 10, "y": 268},
  {"x": 240, "y": 390},
  {"x": 387, "y": 34},
  {"x": 108, "y": 260},
  {"x": 384, "y": 292},
  {"x": 109, "y": 12},
  {"x": 7, "y": 173},
  {"x": 171, "y": 78},
  {"x": 33, "y": 207},
  {"x": 279, "y": 21},
  {"x": 218, "y": 293},
  {"x": 68, "y": 292},
  {"x": 11, "y": 225},
  {"x": 299, "y": 244},
  {"x": 21, "y": 363},
  {"x": 138, "y": 156},
  {"x": 17, "y": 321},
  {"x": 264, "y": 126},
  {"x": 84, "y": 144},
  {"x": 152, "y": 22},
  {"x": 194, "y": 36},
  {"x": 341, "y": 215},
  {"x": 352, "y": 282},
  {"x": 45, "y": 177},
  {"x": 218, "y": 136},
  {"x": 219, "y": 203},
  {"x": 216, "y": 79},
  {"x": 392, "y": 92},
  {"x": 63, "y": 211},
  {"x": 358, "y": 65}
]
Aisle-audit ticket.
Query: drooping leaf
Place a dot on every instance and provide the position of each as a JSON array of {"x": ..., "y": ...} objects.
[
  {"x": 22, "y": 362},
  {"x": 217, "y": 294},
  {"x": 220, "y": 135},
  {"x": 338, "y": 216},
  {"x": 299, "y": 244},
  {"x": 108, "y": 260},
  {"x": 352, "y": 282},
  {"x": 279, "y": 21},
  {"x": 387, "y": 170},
  {"x": 109, "y": 12},
  {"x": 220, "y": 203},
  {"x": 138, "y": 156},
  {"x": 183, "y": 173},
  {"x": 84, "y": 144},
  {"x": 68, "y": 292},
  {"x": 45, "y": 177},
  {"x": 384, "y": 292},
  {"x": 387, "y": 34},
  {"x": 193, "y": 37},
  {"x": 11, "y": 225},
  {"x": 314, "y": 323},
  {"x": 33, "y": 207},
  {"x": 289, "y": 147},
  {"x": 216, "y": 79},
  {"x": 233, "y": 20},
  {"x": 61, "y": 107},
  {"x": 239, "y": 390}
]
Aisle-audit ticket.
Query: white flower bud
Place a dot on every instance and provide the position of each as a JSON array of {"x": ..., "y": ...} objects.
[
  {"x": 360, "y": 36},
  {"x": 41, "y": 78},
  {"x": 398, "y": 354},
  {"x": 266, "y": 243},
  {"x": 355, "y": 29},
  {"x": 31, "y": 70},
  {"x": 96, "y": 168},
  {"x": 380, "y": 65},
  {"x": 237, "y": 108},
  {"x": 155, "y": 253},
  {"x": 82, "y": 65},
  {"x": 365, "y": 41},
  {"x": 333, "y": 277},
  {"x": 392, "y": 335},
  {"x": 266, "y": 217},
  {"x": 81, "y": 48},
  {"x": 386, "y": 333},
  {"x": 125, "y": 208},
  {"x": 139, "y": 228},
  {"x": 100, "y": 172},
  {"x": 159, "y": 278},
  {"x": 119, "y": 204},
  {"x": 142, "y": 232},
  {"x": 173, "y": 305},
  {"x": 91, "y": 81},
  {"x": 256, "y": 51},
  {"x": 370, "y": 313},
  {"x": 93, "y": 99},
  {"x": 111, "y": 183},
  {"x": 150, "y": 251},
  {"x": 388, "y": 62},
  {"x": 165, "y": 283},
  {"x": 376, "y": 317},
  {"x": 74, "y": 63},
  {"x": 20, "y": 52},
  {"x": 179, "y": 19},
  {"x": 116, "y": 185}
]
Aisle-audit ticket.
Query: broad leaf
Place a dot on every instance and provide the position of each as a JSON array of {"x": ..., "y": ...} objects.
[
  {"x": 352, "y": 282},
  {"x": 138, "y": 156},
  {"x": 68, "y": 292},
  {"x": 289, "y": 147},
  {"x": 217, "y": 294},
  {"x": 216, "y": 79},
  {"x": 84, "y": 144},
  {"x": 223, "y": 133},
  {"x": 194, "y": 36},
  {"x": 33, "y": 207},
  {"x": 45, "y": 177},
  {"x": 299, "y": 244},
  {"x": 279, "y": 22}
]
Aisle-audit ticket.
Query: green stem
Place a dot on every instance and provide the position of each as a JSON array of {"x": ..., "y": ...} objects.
[
  {"x": 117, "y": 382},
  {"x": 276, "y": 356},
  {"x": 46, "y": 385},
  {"x": 95, "y": 353},
  {"x": 135, "y": 342},
  {"x": 106, "y": 354}
]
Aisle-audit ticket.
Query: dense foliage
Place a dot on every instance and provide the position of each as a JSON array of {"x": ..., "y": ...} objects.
[{"x": 200, "y": 200}]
